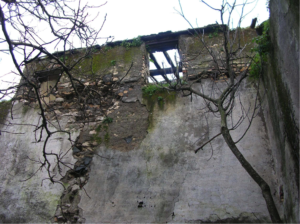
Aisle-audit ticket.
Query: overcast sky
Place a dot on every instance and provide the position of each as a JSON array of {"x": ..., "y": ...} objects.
[
  {"x": 131, "y": 18},
  {"x": 128, "y": 19}
]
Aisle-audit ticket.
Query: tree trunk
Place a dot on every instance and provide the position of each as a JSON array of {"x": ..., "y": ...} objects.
[{"x": 255, "y": 176}]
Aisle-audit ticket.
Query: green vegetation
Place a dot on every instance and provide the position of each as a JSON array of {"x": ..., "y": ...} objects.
[
  {"x": 107, "y": 120},
  {"x": 98, "y": 129},
  {"x": 113, "y": 62},
  {"x": 107, "y": 48},
  {"x": 150, "y": 89},
  {"x": 153, "y": 88},
  {"x": 94, "y": 49},
  {"x": 155, "y": 95},
  {"x": 101, "y": 61},
  {"x": 105, "y": 127},
  {"x": 215, "y": 33},
  {"x": 63, "y": 58},
  {"x": 263, "y": 42},
  {"x": 262, "y": 50},
  {"x": 148, "y": 48},
  {"x": 183, "y": 82},
  {"x": 136, "y": 42},
  {"x": 4, "y": 109},
  {"x": 96, "y": 138},
  {"x": 106, "y": 138},
  {"x": 99, "y": 137}
]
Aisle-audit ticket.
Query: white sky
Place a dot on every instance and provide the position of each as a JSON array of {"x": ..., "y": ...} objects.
[
  {"x": 131, "y": 18},
  {"x": 128, "y": 19}
]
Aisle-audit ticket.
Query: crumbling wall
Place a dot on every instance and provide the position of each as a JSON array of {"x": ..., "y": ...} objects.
[
  {"x": 162, "y": 180},
  {"x": 197, "y": 62},
  {"x": 111, "y": 72},
  {"x": 138, "y": 164}
]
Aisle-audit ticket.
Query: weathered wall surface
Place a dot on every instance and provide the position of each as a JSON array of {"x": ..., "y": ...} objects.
[
  {"x": 29, "y": 201},
  {"x": 197, "y": 62},
  {"x": 163, "y": 180},
  {"x": 281, "y": 85},
  {"x": 34, "y": 200},
  {"x": 141, "y": 167}
]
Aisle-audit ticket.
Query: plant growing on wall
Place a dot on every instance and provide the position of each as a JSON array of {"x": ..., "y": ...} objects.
[
  {"x": 135, "y": 42},
  {"x": 225, "y": 100},
  {"x": 262, "y": 48}
]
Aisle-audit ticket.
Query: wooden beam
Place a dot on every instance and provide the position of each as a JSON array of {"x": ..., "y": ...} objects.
[
  {"x": 155, "y": 62},
  {"x": 163, "y": 71},
  {"x": 154, "y": 78},
  {"x": 169, "y": 60},
  {"x": 162, "y": 46},
  {"x": 166, "y": 78}
]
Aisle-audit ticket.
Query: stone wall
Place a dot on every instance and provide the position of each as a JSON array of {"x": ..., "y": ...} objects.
[
  {"x": 88, "y": 128},
  {"x": 139, "y": 165}
]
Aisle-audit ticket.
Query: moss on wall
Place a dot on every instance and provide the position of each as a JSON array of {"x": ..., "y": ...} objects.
[
  {"x": 4, "y": 110},
  {"x": 98, "y": 62},
  {"x": 159, "y": 98},
  {"x": 279, "y": 75},
  {"x": 281, "y": 79},
  {"x": 294, "y": 8},
  {"x": 285, "y": 103}
]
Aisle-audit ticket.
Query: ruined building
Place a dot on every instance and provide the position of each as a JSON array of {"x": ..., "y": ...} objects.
[{"x": 132, "y": 159}]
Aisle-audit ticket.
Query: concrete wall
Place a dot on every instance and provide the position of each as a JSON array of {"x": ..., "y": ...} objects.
[
  {"x": 25, "y": 199},
  {"x": 281, "y": 85},
  {"x": 142, "y": 166},
  {"x": 163, "y": 180}
]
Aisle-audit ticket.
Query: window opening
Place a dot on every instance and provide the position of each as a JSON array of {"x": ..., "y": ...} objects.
[
  {"x": 48, "y": 80},
  {"x": 164, "y": 60}
]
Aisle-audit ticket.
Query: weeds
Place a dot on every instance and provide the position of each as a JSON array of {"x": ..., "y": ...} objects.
[
  {"x": 62, "y": 58},
  {"x": 113, "y": 62},
  {"x": 215, "y": 33},
  {"x": 152, "y": 88},
  {"x": 262, "y": 50},
  {"x": 107, "y": 120},
  {"x": 136, "y": 42},
  {"x": 107, "y": 48}
]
